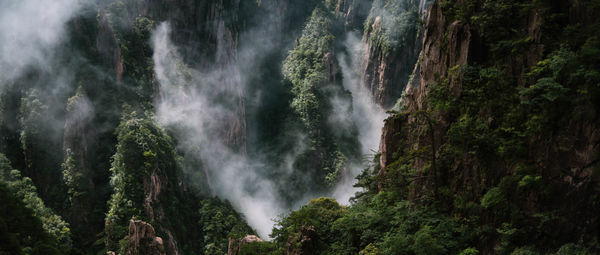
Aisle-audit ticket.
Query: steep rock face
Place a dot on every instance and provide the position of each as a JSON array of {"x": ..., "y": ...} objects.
[
  {"x": 392, "y": 49},
  {"x": 390, "y": 140},
  {"x": 354, "y": 12},
  {"x": 220, "y": 32},
  {"x": 40, "y": 143},
  {"x": 206, "y": 34},
  {"x": 80, "y": 142},
  {"x": 154, "y": 184},
  {"x": 143, "y": 240},
  {"x": 450, "y": 44},
  {"x": 108, "y": 48},
  {"x": 156, "y": 187},
  {"x": 226, "y": 59},
  {"x": 447, "y": 46},
  {"x": 10, "y": 98},
  {"x": 444, "y": 47}
]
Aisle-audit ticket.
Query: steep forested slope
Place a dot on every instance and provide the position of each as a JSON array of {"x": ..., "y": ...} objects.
[
  {"x": 187, "y": 127},
  {"x": 493, "y": 150},
  {"x": 90, "y": 128}
]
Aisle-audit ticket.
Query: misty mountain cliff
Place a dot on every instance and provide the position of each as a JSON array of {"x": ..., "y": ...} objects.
[{"x": 260, "y": 127}]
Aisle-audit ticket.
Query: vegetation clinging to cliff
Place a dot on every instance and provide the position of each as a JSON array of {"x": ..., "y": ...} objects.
[
  {"x": 25, "y": 211},
  {"x": 310, "y": 70},
  {"x": 486, "y": 166},
  {"x": 390, "y": 23}
]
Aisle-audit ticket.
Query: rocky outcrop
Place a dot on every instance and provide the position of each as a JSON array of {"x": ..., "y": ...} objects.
[
  {"x": 155, "y": 184},
  {"x": 437, "y": 57},
  {"x": 143, "y": 240},
  {"x": 235, "y": 245}
]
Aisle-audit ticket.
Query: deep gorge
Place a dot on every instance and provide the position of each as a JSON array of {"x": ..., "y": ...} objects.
[{"x": 299, "y": 127}]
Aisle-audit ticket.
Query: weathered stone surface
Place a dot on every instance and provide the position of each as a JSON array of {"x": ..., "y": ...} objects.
[
  {"x": 564, "y": 159},
  {"x": 386, "y": 71},
  {"x": 143, "y": 240},
  {"x": 390, "y": 140}
]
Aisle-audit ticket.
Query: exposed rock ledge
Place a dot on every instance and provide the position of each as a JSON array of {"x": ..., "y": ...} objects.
[{"x": 143, "y": 239}]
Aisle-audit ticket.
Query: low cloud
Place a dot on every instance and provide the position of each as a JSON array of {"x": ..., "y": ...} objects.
[
  {"x": 201, "y": 105},
  {"x": 29, "y": 32},
  {"x": 366, "y": 114}
]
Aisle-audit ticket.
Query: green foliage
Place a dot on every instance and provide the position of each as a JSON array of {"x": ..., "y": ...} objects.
[
  {"x": 143, "y": 149},
  {"x": 365, "y": 223},
  {"x": 31, "y": 118},
  {"x": 541, "y": 98},
  {"x": 367, "y": 180},
  {"x": 39, "y": 143},
  {"x": 529, "y": 180},
  {"x": 471, "y": 135},
  {"x": 493, "y": 198},
  {"x": 21, "y": 232},
  {"x": 495, "y": 113},
  {"x": 133, "y": 34},
  {"x": 572, "y": 249},
  {"x": 319, "y": 213},
  {"x": 23, "y": 189},
  {"x": 258, "y": 248},
  {"x": 146, "y": 176},
  {"x": 499, "y": 112},
  {"x": 497, "y": 21},
  {"x": 306, "y": 71},
  {"x": 426, "y": 243},
  {"x": 137, "y": 58},
  {"x": 469, "y": 251},
  {"x": 369, "y": 250},
  {"x": 425, "y": 231},
  {"x": 219, "y": 221},
  {"x": 72, "y": 176},
  {"x": 378, "y": 224}
]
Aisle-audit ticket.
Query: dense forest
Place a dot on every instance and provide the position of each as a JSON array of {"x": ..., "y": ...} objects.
[{"x": 295, "y": 127}]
